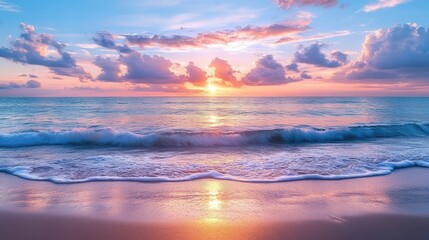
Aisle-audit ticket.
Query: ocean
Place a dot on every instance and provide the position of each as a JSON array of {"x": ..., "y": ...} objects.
[{"x": 158, "y": 139}]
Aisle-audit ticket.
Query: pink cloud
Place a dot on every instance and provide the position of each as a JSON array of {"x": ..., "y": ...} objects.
[
  {"x": 291, "y": 3},
  {"x": 380, "y": 4},
  {"x": 225, "y": 72},
  {"x": 248, "y": 33}
]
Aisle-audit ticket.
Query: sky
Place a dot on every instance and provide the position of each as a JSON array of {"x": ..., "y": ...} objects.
[{"x": 214, "y": 48}]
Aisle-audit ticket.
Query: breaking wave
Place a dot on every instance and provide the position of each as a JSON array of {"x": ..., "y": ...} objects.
[{"x": 112, "y": 137}]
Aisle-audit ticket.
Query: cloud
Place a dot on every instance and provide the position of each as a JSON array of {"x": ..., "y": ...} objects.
[
  {"x": 267, "y": 72},
  {"x": 33, "y": 84},
  {"x": 164, "y": 88},
  {"x": 319, "y": 36},
  {"x": 110, "y": 69},
  {"x": 143, "y": 68},
  {"x": 313, "y": 55},
  {"x": 305, "y": 75},
  {"x": 292, "y": 67},
  {"x": 33, "y": 48},
  {"x": 28, "y": 75},
  {"x": 380, "y": 4},
  {"x": 4, "y": 6},
  {"x": 148, "y": 69},
  {"x": 225, "y": 72},
  {"x": 13, "y": 85},
  {"x": 84, "y": 88},
  {"x": 392, "y": 55},
  {"x": 196, "y": 75},
  {"x": 291, "y": 3},
  {"x": 107, "y": 40},
  {"x": 248, "y": 33}
]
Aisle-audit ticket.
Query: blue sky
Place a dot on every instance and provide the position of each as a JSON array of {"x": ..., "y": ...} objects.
[{"x": 321, "y": 31}]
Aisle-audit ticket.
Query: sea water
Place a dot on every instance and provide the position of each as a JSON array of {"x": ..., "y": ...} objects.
[{"x": 155, "y": 139}]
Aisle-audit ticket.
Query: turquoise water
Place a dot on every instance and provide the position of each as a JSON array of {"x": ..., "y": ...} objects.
[{"x": 69, "y": 140}]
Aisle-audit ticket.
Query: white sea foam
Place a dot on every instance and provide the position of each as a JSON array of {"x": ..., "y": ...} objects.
[
  {"x": 384, "y": 169},
  {"x": 109, "y": 136}
]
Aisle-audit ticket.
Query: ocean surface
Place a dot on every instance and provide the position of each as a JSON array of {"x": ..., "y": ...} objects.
[{"x": 68, "y": 140}]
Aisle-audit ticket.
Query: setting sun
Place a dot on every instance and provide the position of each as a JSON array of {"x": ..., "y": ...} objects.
[{"x": 212, "y": 89}]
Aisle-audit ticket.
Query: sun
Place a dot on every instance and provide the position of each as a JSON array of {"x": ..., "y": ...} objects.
[{"x": 212, "y": 89}]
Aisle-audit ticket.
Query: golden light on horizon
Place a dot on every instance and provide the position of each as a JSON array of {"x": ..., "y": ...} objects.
[{"x": 212, "y": 89}]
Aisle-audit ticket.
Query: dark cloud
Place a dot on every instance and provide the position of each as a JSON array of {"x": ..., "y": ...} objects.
[
  {"x": 292, "y": 67},
  {"x": 291, "y": 3},
  {"x": 32, "y": 48},
  {"x": 392, "y": 55},
  {"x": 107, "y": 40},
  {"x": 13, "y": 85},
  {"x": 33, "y": 84},
  {"x": 313, "y": 55},
  {"x": 225, "y": 72},
  {"x": 110, "y": 69},
  {"x": 267, "y": 72},
  {"x": 305, "y": 75}
]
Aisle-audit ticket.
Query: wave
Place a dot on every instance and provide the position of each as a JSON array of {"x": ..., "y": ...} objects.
[
  {"x": 385, "y": 168},
  {"x": 112, "y": 137}
]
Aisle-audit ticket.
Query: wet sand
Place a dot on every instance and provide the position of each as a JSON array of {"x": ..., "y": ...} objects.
[{"x": 387, "y": 207}]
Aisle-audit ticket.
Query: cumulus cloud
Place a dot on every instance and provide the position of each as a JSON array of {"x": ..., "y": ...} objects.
[
  {"x": 110, "y": 69},
  {"x": 248, "y": 33},
  {"x": 313, "y": 55},
  {"x": 380, "y": 4},
  {"x": 33, "y": 48},
  {"x": 396, "y": 54},
  {"x": 143, "y": 68},
  {"x": 148, "y": 69},
  {"x": 291, "y": 3},
  {"x": 224, "y": 71},
  {"x": 267, "y": 72},
  {"x": 14, "y": 85},
  {"x": 196, "y": 75}
]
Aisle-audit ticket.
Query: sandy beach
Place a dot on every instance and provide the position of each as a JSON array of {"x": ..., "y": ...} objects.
[{"x": 386, "y": 207}]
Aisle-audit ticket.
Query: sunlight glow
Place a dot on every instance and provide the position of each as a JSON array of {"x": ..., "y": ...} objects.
[{"x": 212, "y": 89}]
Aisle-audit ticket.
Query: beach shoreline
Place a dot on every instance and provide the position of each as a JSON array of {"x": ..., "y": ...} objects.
[{"x": 390, "y": 207}]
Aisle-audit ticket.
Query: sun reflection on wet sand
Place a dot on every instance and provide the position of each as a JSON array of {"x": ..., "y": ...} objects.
[{"x": 213, "y": 199}]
